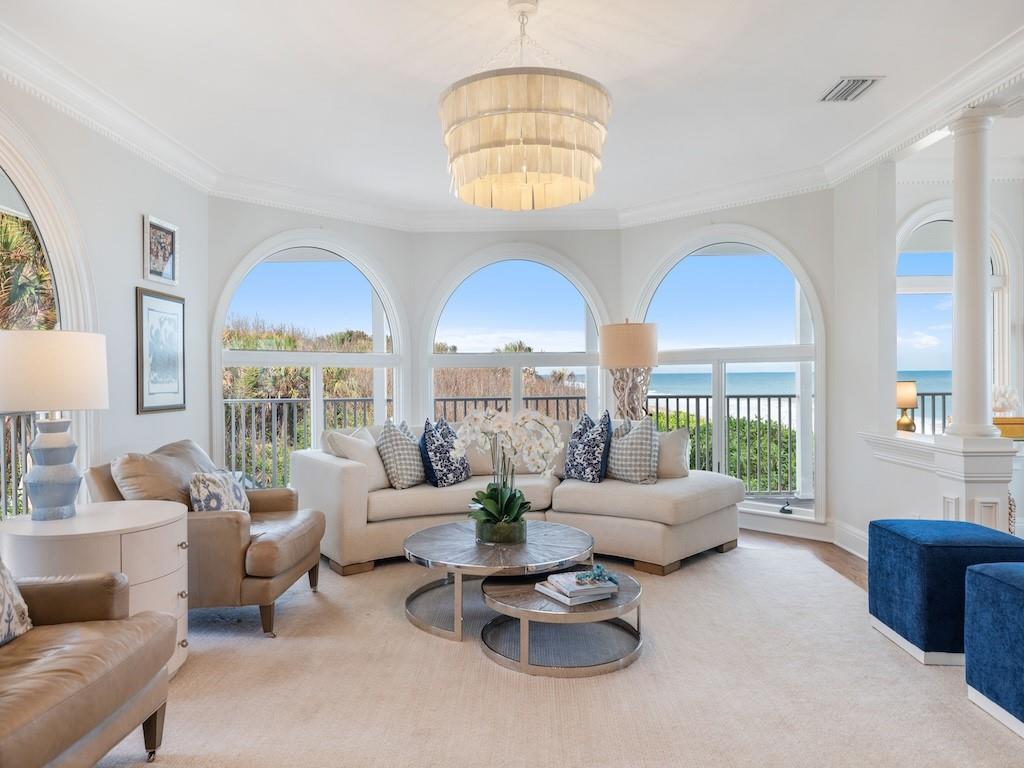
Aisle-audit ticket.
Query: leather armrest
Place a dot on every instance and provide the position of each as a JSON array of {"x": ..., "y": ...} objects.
[
  {"x": 217, "y": 543},
  {"x": 64, "y": 599},
  {"x": 272, "y": 500}
]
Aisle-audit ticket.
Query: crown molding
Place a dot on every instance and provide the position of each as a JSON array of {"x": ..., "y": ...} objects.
[
  {"x": 982, "y": 81},
  {"x": 940, "y": 171}
]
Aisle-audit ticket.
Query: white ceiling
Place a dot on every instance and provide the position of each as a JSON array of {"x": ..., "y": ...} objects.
[{"x": 332, "y": 105}]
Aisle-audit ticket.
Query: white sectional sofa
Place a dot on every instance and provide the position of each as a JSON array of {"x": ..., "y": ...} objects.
[{"x": 654, "y": 525}]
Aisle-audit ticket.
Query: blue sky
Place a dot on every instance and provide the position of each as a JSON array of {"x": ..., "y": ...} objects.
[{"x": 924, "y": 321}]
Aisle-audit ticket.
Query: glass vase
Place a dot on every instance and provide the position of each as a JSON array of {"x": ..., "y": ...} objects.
[{"x": 500, "y": 533}]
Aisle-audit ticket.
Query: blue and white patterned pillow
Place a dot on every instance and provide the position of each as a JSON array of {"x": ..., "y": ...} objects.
[
  {"x": 436, "y": 450},
  {"x": 213, "y": 491},
  {"x": 400, "y": 452},
  {"x": 14, "y": 619},
  {"x": 586, "y": 455}
]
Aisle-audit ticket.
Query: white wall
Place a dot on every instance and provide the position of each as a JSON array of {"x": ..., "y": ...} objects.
[{"x": 109, "y": 189}]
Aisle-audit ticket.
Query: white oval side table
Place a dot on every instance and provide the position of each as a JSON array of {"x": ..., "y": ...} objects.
[{"x": 145, "y": 540}]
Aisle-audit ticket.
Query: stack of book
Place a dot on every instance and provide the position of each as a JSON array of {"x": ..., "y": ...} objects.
[{"x": 566, "y": 588}]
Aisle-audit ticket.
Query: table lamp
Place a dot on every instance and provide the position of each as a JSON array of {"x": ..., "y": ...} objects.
[
  {"x": 53, "y": 371},
  {"x": 906, "y": 400},
  {"x": 629, "y": 351}
]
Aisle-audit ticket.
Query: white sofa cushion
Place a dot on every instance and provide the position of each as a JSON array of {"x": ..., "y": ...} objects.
[
  {"x": 671, "y": 501},
  {"x": 674, "y": 453},
  {"x": 362, "y": 447},
  {"x": 426, "y": 500}
]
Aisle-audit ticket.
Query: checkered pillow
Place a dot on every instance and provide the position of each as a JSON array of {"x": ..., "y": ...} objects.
[
  {"x": 400, "y": 452},
  {"x": 634, "y": 453}
]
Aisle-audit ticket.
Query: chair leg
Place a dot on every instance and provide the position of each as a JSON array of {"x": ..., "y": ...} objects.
[
  {"x": 153, "y": 732},
  {"x": 267, "y": 618},
  {"x": 314, "y": 576},
  {"x": 727, "y": 547}
]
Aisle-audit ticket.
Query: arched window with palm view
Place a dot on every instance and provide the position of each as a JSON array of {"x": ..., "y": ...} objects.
[
  {"x": 737, "y": 360},
  {"x": 28, "y": 301},
  {"x": 514, "y": 334},
  {"x": 307, "y": 346}
]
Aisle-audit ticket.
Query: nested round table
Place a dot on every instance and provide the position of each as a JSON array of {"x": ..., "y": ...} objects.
[
  {"x": 453, "y": 547},
  {"x": 572, "y": 641}
]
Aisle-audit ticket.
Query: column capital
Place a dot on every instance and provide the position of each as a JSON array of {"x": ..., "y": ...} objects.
[{"x": 975, "y": 120}]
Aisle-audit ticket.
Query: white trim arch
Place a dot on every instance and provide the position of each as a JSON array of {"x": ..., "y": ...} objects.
[
  {"x": 62, "y": 240},
  {"x": 481, "y": 259},
  {"x": 1008, "y": 285},
  {"x": 741, "y": 233},
  {"x": 331, "y": 242}
]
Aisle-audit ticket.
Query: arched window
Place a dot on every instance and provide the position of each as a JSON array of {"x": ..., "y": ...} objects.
[
  {"x": 28, "y": 301},
  {"x": 737, "y": 366},
  {"x": 515, "y": 333},
  {"x": 924, "y": 320},
  {"x": 307, "y": 346}
]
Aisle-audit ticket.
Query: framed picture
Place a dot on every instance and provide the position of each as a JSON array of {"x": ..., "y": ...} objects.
[
  {"x": 160, "y": 251},
  {"x": 160, "y": 355}
]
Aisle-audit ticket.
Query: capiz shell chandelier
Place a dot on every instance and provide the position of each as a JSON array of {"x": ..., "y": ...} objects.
[{"x": 524, "y": 138}]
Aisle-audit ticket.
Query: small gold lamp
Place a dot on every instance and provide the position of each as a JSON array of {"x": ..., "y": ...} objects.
[{"x": 906, "y": 400}]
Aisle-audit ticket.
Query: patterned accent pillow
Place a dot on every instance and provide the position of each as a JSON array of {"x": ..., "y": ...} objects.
[
  {"x": 436, "y": 450},
  {"x": 633, "y": 457},
  {"x": 400, "y": 452},
  {"x": 213, "y": 491},
  {"x": 14, "y": 619},
  {"x": 586, "y": 455}
]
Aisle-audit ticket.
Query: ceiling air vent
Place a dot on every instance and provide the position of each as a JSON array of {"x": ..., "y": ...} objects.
[{"x": 849, "y": 89}]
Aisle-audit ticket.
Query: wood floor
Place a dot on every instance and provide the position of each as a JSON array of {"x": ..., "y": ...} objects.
[{"x": 838, "y": 559}]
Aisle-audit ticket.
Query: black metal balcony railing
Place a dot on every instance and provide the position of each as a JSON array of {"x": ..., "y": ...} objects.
[{"x": 15, "y": 437}]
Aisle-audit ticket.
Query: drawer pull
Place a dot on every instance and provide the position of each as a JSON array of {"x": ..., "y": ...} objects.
[
  {"x": 183, "y": 643},
  {"x": 183, "y": 594},
  {"x": 182, "y": 545}
]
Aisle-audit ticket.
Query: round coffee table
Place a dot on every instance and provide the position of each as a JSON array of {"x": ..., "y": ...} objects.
[
  {"x": 453, "y": 546},
  {"x": 574, "y": 641}
]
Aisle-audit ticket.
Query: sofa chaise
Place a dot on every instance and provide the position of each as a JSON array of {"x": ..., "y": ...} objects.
[{"x": 656, "y": 525}]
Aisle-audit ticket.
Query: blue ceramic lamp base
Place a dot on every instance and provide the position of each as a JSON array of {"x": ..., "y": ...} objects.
[{"x": 53, "y": 482}]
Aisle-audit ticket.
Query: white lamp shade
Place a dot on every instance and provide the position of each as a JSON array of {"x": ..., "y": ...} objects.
[
  {"x": 629, "y": 345},
  {"x": 906, "y": 394},
  {"x": 52, "y": 371}
]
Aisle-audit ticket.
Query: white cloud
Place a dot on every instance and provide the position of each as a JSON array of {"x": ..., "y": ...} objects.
[
  {"x": 944, "y": 305},
  {"x": 919, "y": 340}
]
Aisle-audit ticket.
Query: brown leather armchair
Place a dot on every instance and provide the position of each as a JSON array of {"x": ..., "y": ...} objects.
[
  {"x": 242, "y": 558},
  {"x": 85, "y": 675}
]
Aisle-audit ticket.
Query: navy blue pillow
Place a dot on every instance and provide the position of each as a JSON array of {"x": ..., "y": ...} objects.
[
  {"x": 586, "y": 456},
  {"x": 436, "y": 445}
]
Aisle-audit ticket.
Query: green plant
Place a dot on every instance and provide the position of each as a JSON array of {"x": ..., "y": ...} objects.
[{"x": 498, "y": 504}]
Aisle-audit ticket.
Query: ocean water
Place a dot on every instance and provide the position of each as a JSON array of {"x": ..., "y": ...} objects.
[{"x": 773, "y": 382}]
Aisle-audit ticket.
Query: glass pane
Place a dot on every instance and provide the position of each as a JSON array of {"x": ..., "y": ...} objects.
[
  {"x": 924, "y": 353},
  {"x": 680, "y": 396},
  {"x": 928, "y": 251},
  {"x": 771, "y": 431},
  {"x": 560, "y": 393},
  {"x": 266, "y": 417},
  {"x": 727, "y": 295},
  {"x": 28, "y": 297},
  {"x": 303, "y": 299},
  {"x": 348, "y": 396},
  {"x": 513, "y": 306},
  {"x": 459, "y": 390}
]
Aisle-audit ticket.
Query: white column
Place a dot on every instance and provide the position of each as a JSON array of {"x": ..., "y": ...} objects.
[
  {"x": 972, "y": 298},
  {"x": 805, "y": 403}
]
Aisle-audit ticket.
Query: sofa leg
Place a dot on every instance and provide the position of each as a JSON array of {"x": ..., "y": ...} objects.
[
  {"x": 314, "y": 577},
  {"x": 657, "y": 570},
  {"x": 351, "y": 569},
  {"x": 153, "y": 732},
  {"x": 267, "y": 618},
  {"x": 727, "y": 547}
]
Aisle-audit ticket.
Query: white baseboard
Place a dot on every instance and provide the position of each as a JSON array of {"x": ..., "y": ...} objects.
[
  {"x": 853, "y": 540},
  {"x": 993, "y": 709},
  {"x": 930, "y": 658},
  {"x": 797, "y": 527}
]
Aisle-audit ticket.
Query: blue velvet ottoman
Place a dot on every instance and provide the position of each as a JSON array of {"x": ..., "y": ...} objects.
[
  {"x": 994, "y": 641},
  {"x": 916, "y": 574}
]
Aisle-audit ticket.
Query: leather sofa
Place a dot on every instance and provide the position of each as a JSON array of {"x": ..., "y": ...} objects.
[
  {"x": 85, "y": 676},
  {"x": 240, "y": 558},
  {"x": 655, "y": 525}
]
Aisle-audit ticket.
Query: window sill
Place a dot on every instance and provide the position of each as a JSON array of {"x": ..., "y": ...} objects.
[{"x": 761, "y": 509}]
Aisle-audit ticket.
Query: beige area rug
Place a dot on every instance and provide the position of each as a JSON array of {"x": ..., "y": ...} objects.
[{"x": 757, "y": 657}]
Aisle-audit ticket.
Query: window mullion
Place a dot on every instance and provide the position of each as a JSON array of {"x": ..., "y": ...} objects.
[{"x": 316, "y": 404}]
